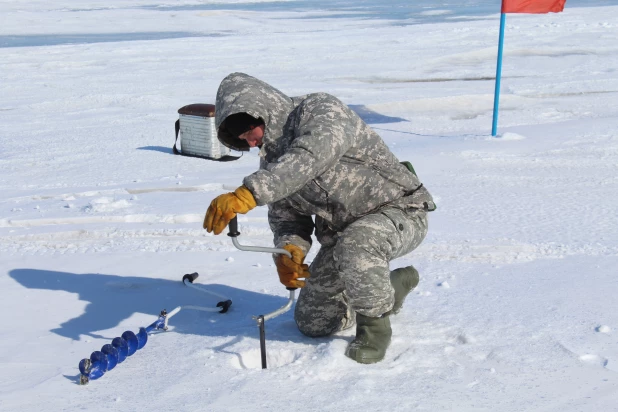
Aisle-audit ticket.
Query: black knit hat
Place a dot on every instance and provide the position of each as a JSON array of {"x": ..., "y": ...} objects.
[{"x": 240, "y": 123}]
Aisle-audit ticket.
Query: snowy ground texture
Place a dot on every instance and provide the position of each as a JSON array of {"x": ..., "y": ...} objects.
[{"x": 516, "y": 309}]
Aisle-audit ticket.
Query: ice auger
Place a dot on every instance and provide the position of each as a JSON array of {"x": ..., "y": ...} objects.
[{"x": 128, "y": 343}]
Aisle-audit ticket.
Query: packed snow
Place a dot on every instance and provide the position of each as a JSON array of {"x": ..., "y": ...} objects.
[{"x": 99, "y": 220}]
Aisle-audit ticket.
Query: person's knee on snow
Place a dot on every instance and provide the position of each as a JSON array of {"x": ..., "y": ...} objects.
[
  {"x": 322, "y": 322},
  {"x": 322, "y": 314}
]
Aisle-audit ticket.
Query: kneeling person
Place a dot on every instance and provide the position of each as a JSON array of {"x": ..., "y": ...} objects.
[{"x": 324, "y": 171}]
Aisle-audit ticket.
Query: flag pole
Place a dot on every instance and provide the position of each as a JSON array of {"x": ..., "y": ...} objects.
[{"x": 494, "y": 126}]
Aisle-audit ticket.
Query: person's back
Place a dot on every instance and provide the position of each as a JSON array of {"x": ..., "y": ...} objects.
[{"x": 320, "y": 153}]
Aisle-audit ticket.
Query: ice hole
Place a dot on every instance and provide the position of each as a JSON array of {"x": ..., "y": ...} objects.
[{"x": 275, "y": 358}]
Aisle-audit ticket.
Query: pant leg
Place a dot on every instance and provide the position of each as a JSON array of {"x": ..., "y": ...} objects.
[
  {"x": 322, "y": 306},
  {"x": 350, "y": 272},
  {"x": 364, "y": 249}
]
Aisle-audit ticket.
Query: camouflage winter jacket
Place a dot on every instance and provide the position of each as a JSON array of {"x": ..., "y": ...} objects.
[{"x": 317, "y": 158}]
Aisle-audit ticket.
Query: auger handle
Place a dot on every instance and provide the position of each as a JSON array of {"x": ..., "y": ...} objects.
[
  {"x": 233, "y": 226},
  {"x": 190, "y": 277},
  {"x": 261, "y": 319}
]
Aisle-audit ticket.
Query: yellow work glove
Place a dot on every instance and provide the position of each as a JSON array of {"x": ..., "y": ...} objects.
[
  {"x": 224, "y": 208},
  {"x": 290, "y": 270}
]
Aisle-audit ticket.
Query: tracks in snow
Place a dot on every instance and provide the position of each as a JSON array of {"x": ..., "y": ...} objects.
[
  {"x": 150, "y": 219},
  {"x": 94, "y": 221}
]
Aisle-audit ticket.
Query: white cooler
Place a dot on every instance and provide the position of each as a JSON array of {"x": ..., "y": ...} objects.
[{"x": 198, "y": 136}]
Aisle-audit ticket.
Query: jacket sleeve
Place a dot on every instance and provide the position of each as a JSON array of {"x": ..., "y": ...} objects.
[
  {"x": 289, "y": 226},
  {"x": 324, "y": 130}
]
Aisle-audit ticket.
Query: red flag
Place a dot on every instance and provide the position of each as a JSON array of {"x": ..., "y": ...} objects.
[{"x": 532, "y": 6}]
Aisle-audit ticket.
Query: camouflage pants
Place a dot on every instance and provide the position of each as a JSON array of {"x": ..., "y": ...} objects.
[{"x": 351, "y": 270}]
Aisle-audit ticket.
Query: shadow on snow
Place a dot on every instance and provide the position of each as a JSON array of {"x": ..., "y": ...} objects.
[
  {"x": 113, "y": 299},
  {"x": 371, "y": 117},
  {"x": 38, "y": 40}
]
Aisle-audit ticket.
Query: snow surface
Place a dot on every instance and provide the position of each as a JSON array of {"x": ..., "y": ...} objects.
[{"x": 516, "y": 308}]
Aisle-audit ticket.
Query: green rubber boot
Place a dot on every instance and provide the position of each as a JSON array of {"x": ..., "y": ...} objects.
[
  {"x": 403, "y": 281},
  {"x": 373, "y": 335}
]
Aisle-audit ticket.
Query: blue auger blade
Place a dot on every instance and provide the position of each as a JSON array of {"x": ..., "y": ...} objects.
[
  {"x": 99, "y": 365},
  {"x": 112, "y": 356},
  {"x": 131, "y": 341},
  {"x": 122, "y": 347},
  {"x": 142, "y": 338}
]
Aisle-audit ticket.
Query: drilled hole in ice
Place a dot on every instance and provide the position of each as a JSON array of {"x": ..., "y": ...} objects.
[{"x": 252, "y": 359}]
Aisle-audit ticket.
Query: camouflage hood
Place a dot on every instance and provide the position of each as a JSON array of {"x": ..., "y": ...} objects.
[{"x": 241, "y": 93}]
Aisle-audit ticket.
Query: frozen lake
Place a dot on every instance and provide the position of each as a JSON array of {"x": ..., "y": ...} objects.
[
  {"x": 395, "y": 12},
  {"x": 99, "y": 220}
]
